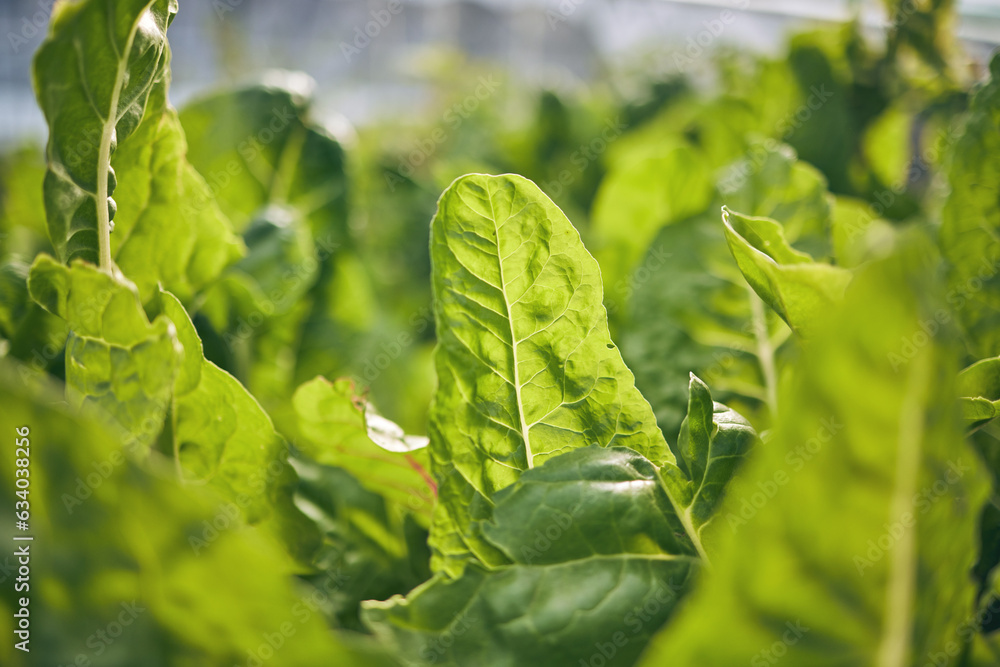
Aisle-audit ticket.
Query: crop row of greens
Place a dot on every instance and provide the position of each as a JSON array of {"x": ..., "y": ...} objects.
[{"x": 177, "y": 285}]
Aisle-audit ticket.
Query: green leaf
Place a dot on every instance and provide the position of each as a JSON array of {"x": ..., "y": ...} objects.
[
  {"x": 137, "y": 371},
  {"x": 638, "y": 198},
  {"x": 592, "y": 516},
  {"x": 35, "y": 336},
  {"x": 770, "y": 181},
  {"x": 857, "y": 235},
  {"x": 970, "y": 222},
  {"x": 260, "y": 145},
  {"x": 985, "y": 650},
  {"x": 989, "y": 546},
  {"x": 280, "y": 175},
  {"x": 690, "y": 308},
  {"x": 720, "y": 127},
  {"x": 863, "y": 503},
  {"x": 92, "y": 76},
  {"x": 799, "y": 289},
  {"x": 583, "y": 492},
  {"x": 260, "y": 305},
  {"x": 886, "y": 144},
  {"x": 278, "y": 243},
  {"x": 271, "y": 280},
  {"x": 160, "y": 196},
  {"x": 456, "y": 523},
  {"x": 928, "y": 31},
  {"x": 978, "y": 409},
  {"x": 339, "y": 428},
  {"x": 115, "y": 357},
  {"x": 369, "y": 550},
  {"x": 712, "y": 444},
  {"x": 979, "y": 387},
  {"x": 130, "y": 549},
  {"x": 23, "y": 227},
  {"x": 15, "y": 301},
  {"x": 692, "y": 312},
  {"x": 222, "y": 437},
  {"x": 526, "y": 368}
]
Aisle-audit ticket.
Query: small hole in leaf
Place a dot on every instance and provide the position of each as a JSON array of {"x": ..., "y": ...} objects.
[{"x": 611, "y": 346}]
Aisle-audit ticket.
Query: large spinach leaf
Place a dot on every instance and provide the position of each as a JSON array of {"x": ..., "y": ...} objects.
[
  {"x": 591, "y": 536},
  {"x": 863, "y": 503},
  {"x": 526, "y": 367}
]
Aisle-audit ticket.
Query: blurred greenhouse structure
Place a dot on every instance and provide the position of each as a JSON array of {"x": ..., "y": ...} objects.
[{"x": 366, "y": 70}]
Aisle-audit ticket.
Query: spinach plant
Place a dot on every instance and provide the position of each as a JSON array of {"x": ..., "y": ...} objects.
[{"x": 203, "y": 270}]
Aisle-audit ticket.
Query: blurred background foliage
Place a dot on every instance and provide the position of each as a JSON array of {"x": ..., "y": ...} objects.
[
  {"x": 639, "y": 144},
  {"x": 841, "y": 123}
]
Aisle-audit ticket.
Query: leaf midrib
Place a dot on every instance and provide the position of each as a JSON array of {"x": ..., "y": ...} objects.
[
  {"x": 897, "y": 621},
  {"x": 513, "y": 338}
]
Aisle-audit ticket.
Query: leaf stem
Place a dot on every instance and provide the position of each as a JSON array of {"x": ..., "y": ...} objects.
[
  {"x": 103, "y": 215},
  {"x": 104, "y": 159},
  {"x": 765, "y": 351},
  {"x": 684, "y": 515}
]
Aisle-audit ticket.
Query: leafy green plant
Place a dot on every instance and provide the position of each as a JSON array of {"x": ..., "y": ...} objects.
[{"x": 176, "y": 288}]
